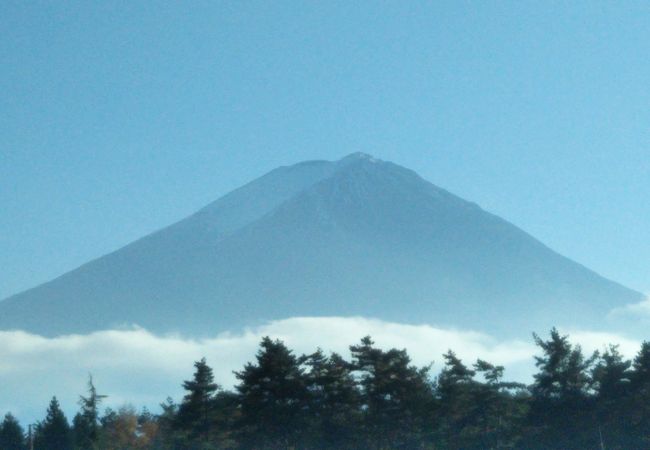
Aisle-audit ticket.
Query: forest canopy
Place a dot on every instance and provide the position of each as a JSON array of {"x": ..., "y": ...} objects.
[{"x": 376, "y": 399}]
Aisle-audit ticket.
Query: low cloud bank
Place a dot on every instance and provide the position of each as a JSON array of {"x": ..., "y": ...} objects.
[
  {"x": 639, "y": 310},
  {"x": 138, "y": 367}
]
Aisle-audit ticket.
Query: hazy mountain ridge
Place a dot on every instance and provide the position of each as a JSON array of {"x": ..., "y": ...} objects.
[{"x": 354, "y": 237}]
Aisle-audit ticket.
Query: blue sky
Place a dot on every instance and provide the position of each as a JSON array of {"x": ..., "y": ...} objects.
[{"x": 118, "y": 118}]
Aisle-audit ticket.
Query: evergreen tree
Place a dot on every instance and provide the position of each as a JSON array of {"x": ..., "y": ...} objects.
[
  {"x": 54, "y": 432},
  {"x": 458, "y": 411},
  {"x": 334, "y": 401},
  {"x": 273, "y": 399},
  {"x": 502, "y": 407},
  {"x": 612, "y": 375},
  {"x": 561, "y": 409},
  {"x": 641, "y": 366},
  {"x": 395, "y": 396},
  {"x": 85, "y": 424},
  {"x": 612, "y": 379},
  {"x": 12, "y": 436},
  {"x": 166, "y": 436},
  {"x": 638, "y": 404},
  {"x": 196, "y": 413},
  {"x": 377, "y": 401}
]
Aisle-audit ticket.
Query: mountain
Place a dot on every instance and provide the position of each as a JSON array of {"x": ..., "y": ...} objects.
[{"x": 358, "y": 236}]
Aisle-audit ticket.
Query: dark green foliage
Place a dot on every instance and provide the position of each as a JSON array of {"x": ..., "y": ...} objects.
[
  {"x": 641, "y": 374},
  {"x": 274, "y": 399},
  {"x": 85, "y": 424},
  {"x": 167, "y": 437},
  {"x": 638, "y": 405},
  {"x": 197, "y": 414},
  {"x": 612, "y": 376},
  {"x": 378, "y": 400},
  {"x": 459, "y": 411},
  {"x": 12, "y": 435},
  {"x": 561, "y": 408},
  {"x": 395, "y": 396},
  {"x": 563, "y": 370},
  {"x": 502, "y": 407},
  {"x": 612, "y": 382},
  {"x": 334, "y": 401},
  {"x": 54, "y": 432}
]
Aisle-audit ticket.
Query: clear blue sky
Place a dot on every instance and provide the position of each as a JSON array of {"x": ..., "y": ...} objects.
[{"x": 118, "y": 118}]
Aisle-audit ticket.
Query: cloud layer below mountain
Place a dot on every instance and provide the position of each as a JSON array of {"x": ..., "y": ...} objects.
[{"x": 141, "y": 368}]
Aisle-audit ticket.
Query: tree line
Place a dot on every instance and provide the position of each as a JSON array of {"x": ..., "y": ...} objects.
[{"x": 376, "y": 400}]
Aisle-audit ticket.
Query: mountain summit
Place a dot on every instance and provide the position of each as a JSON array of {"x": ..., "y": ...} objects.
[{"x": 358, "y": 236}]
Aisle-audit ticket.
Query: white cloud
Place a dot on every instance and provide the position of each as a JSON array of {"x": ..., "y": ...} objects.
[
  {"x": 639, "y": 310},
  {"x": 141, "y": 368},
  {"x": 598, "y": 341}
]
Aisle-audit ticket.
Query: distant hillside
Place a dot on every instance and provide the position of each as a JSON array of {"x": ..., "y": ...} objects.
[{"x": 358, "y": 236}]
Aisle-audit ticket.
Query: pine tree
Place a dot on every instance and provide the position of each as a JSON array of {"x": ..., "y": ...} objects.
[
  {"x": 638, "y": 404},
  {"x": 273, "y": 399},
  {"x": 501, "y": 405},
  {"x": 12, "y": 436},
  {"x": 334, "y": 401},
  {"x": 196, "y": 413},
  {"x": 563, "y": 369},
  {"x": 86, "y": 422},
  {"x": 640, "y": 376},
  {"x": 612, "y": 375},
  {"x": 561, "y": 407},
  {"x": 458, "y": 410},
  {"x": 395, "y": 395},
  {"x": 54, "y": 432},
  {"x": 612, "y": 381}
]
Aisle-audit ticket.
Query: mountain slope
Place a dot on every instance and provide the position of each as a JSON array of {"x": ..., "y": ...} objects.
[{"x": 353, "y": 237}]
